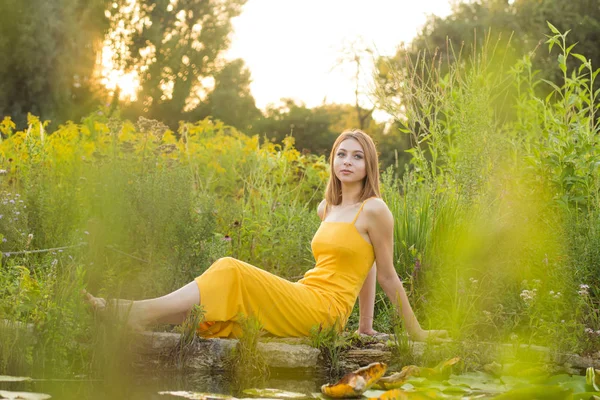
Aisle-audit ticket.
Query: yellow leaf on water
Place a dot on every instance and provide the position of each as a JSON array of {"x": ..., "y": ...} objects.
[{"x": 355, "y": 383}]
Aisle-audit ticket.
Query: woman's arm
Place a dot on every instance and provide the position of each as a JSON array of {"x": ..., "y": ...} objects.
[
  {"x": 366, "y": 303},
  {"x": 321, "y": 209},
  {"x": 381, "y": 233}
]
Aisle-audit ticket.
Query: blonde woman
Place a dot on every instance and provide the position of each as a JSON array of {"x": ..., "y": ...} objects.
[{"x": 356, "y": 230}]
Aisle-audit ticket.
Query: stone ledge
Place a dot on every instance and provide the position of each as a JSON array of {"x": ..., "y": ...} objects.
[
  {"x": 152, "y": 348},
  {"x": 212, "y": 354}
]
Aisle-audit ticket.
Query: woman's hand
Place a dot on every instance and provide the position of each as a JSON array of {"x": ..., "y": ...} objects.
[{"x": 423, "y": 335}]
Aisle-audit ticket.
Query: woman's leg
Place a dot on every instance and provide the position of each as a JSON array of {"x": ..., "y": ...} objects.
[{"x": 171, "y": 308}]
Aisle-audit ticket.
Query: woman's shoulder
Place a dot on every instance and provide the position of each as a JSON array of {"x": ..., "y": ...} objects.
[
  {"x": 321, "y": 208},
  {"x": 377, "y": 208}
]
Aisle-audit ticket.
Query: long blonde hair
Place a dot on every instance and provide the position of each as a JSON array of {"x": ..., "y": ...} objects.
[{"x": 333, "y": 192}]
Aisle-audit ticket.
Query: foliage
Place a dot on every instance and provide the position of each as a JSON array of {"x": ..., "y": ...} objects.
[
  {"x": 520, "y": 22},
  {"x": 496, "y": 215},
  {"x": 49, "y": 50},
  {"x": 188, "y": 335},
  {"x": 148, "y": 210},
  {"x": 173, "y": 46},
  {"x": 315, "y": 129},
  {"x": 246, "y": 363},
  {"x": 489, "y": 194},
  {"x": 231, "y": 100},
  {"x": 330, "y": 342}
]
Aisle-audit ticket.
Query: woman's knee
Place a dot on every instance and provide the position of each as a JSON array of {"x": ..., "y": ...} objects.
[{"x": 226, "y": 266}]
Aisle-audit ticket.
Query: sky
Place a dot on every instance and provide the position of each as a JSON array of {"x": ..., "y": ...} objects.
[{"x": 293, "y": 47}]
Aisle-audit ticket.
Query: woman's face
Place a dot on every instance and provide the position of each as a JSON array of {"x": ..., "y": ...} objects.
[{"x": 349, "y": 162}]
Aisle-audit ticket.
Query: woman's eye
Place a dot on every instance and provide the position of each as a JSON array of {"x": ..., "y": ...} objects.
[
  {"x": 340, "y": 154},
  {"x": 358, "y": 157}
]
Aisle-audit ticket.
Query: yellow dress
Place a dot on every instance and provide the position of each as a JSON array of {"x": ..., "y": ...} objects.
[{"x": 231, "y": 289}]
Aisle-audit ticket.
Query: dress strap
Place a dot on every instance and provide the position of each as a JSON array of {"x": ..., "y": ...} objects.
[{"x": 360, "y": 209}]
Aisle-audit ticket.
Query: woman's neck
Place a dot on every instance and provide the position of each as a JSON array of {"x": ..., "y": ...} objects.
[{"x": 351, "y": 193}]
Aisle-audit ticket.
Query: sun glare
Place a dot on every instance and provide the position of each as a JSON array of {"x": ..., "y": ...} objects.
[{"x": 112, "y": 78}]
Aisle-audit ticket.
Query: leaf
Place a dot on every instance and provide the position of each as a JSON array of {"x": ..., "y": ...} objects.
[
  {"x": 571, "y": 47},
  {"x": 540, "y": 392},
  {"x": 585, "y": 396},
  {"x": 551, "y": 84},
  {"x": 396, "y": 380},
  {"x": 574, "y": 382},
  {"x": 355, "y": 383},
  {"x": 6, "y": 394},
  {"x": 561, "y": 63},
  {"x": 580, "y": 58},
  {"x": 443, "y": 369},
  {"x": 592, "y": 378},
  {"x": 276, "y": 393},
  {"x": 552, "y": 28},
  {"x": 6, "y": 378},
  {"x": 474, "y": 379}
]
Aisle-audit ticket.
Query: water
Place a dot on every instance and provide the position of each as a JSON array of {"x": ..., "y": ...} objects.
[{"x": 148, "y": 384}]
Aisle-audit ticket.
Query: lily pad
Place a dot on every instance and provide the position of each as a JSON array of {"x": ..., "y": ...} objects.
[
  {"x": 6, "y": 378},
  {"x": 416, "y": 381},
  {"x": 540, "y": 392},
  {"x": 274, "y": 393},
  {"x": 198, "y": 396},
  {"x": 574, "y": 382},
  {"x": 6, "y": 394},
  {"x": 478, "y": 381},
  {"x": 586, "y": 396}
]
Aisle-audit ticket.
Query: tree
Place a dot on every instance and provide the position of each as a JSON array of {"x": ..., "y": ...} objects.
[
  {"x": 174, "y": 45},
  {"x": 231, "y": 100},
  {"x": 310, "y": 127},
  {"x": 355, "y": 55},
  {"x": 49, "y": 49},
  {"x": 581, "y": 17},
  {"x": 487, "y": 28},
  {"x": 315, "y": 129},
  {"x": 521, "y": 25}
]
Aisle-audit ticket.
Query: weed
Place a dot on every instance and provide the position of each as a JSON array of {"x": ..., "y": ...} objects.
[
  {"x": 188, "y": 335},
  {"x": 246, "y": 364},
  {"x": 330, "y": 341}
]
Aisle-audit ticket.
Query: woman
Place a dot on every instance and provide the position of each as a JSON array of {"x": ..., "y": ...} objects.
[{"x": 356, "y": 229}]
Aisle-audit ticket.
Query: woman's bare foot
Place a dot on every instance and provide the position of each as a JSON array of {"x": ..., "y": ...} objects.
[
  {"x": 126, "y": 310},
  {"x": 367, "y": 332},
  {"x": 97, "y": 303}
]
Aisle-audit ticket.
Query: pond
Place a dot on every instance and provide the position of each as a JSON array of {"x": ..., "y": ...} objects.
[
  {"x": 153, "y": 384},
  {"x": 148, "y": 385}
]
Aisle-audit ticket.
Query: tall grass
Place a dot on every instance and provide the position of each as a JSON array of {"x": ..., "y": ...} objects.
[
  {"x": 143, "y": 211},
  {"x": 496, "y": 218},
  {"x": 495, "y": 208}
]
